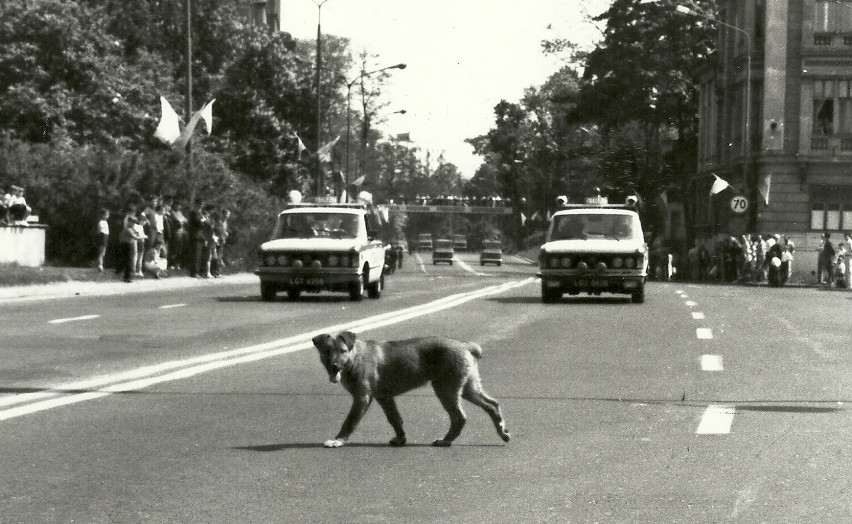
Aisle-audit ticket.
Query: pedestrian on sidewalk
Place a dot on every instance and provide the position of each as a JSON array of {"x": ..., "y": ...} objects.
[
  {"x": 102, "y": 238},
  {"x": 825, "y": 273},
  {"x": 128, "y": 242}
]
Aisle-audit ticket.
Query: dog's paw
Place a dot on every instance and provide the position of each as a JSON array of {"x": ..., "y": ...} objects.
[
  {"x": 333, "y": 443},
  {"x": 503, "y": 432},
  {"x": 441, "y": 443},
  {"x": 397, "y": 441}
]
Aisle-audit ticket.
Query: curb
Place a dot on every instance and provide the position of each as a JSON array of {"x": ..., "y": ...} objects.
[{"x": 91, "y": 289}]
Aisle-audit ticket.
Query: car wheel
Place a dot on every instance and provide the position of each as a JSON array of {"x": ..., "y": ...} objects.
[
  {"x": 549, "y": 296},
  {"x": 267, "y": 291},
  {"x": 356, "y": 289},
  {"x": 638, "y": 296},
  {"x": 375, "y": 289},
  {"x": 293, "y": 293}
]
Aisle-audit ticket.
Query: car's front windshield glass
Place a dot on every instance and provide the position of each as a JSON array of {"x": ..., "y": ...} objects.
[
  {"x": 491, "y": 245},
  {"x": 446, "y": 244},
  {"x": 594, "y": 225},
  {"x": 311, "y": 225}
]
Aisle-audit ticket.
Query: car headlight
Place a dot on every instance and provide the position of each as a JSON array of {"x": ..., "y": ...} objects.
[
  {"x": 298, "y": 264},
  {"x": 270, "y": 260},
  {"x": 617, "y": 262},
  {"x": 566, "y": 262},
  {"x": 631, "y": 262},
  {"x": 600, "y": 266},
  {"x": 554, "y": 262},
  {"x": 316, "y": 264},
  {"x": 283, "y": 260},
  {"x": 333, "y": 260},
  {"x": 582, "y": 266}
]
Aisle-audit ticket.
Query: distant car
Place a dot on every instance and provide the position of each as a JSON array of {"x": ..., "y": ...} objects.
[
  {"x": 460, "y": 242},
  {"x": 443, "y": 252},
  {"x": 424, "y": 242},
  {"x": 492, "y": 253},
  {"x": 594, "y": 249}
]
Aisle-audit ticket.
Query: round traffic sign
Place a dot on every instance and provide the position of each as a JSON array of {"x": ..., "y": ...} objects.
[{"x": 739, "y": 204}]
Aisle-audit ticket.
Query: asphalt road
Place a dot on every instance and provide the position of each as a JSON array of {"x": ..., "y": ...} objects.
[{"x": 205, "y": 404}]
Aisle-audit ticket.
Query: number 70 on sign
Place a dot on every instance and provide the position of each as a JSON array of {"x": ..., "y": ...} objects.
[{"x": 739, "y": 204}]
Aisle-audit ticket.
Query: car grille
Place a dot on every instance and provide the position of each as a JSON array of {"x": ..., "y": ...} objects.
[
  {"x": 591, "y": 261},
  {"x": 307, "y": 260}
]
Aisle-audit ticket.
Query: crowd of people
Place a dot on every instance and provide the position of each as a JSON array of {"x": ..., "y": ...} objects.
[
  {"x": 13, "y": 207},
  {"x": 749, "y": 258},
  {"x": 159, "y": 236}
]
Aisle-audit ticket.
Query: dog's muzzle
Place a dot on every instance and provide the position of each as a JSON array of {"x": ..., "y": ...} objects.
[{"x": 334, "y": 375}]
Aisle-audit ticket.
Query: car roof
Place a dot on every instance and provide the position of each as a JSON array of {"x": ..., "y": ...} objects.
[
  {"x": 596, "y": 211},
  {"x": 324, "y": 209}
]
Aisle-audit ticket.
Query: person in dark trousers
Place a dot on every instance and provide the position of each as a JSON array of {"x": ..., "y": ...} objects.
[
  {"x": 826, "y": 257},
  {"x": 127, "y": 245},
  {"x": 195, "y": 230}
]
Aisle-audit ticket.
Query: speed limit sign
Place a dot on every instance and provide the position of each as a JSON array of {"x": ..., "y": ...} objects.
[{"x": 739, "y": 204}]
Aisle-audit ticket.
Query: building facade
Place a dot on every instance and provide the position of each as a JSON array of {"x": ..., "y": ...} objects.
[
  {"x": 775, "y": 123},
  {"x": 262, "y": 13}
]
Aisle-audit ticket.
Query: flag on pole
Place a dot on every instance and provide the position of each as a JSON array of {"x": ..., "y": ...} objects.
[
  {"x": 358, "y": 181},
  {"x": 324, "y": 153},
  {"x": 300, "y": 145},
  {"x": 168, "y": 130},
  {"x": 763, "y": 187},
  {"x": 719, "y": 185},
  {"x": 206, "y": 113}
]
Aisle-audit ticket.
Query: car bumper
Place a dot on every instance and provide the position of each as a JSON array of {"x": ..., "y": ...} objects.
[
  {"x": 612, "y": 282},
  {"x": 307, "y": 278}
]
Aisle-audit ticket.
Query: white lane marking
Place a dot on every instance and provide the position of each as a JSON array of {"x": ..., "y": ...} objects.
[
  {"x": 150, "y": 375},
  {"x": 680, "y": 291},
  {"x": 711, "y": 363},
  {"x": 704, "y": 333},
  {"x": 73, "y": 319},
  {"x": 690, "y": 303},
  {"x": 467, "y": 267},
  {"x": 170, "y": 306},
  {"x": 420, "y": 263},
  {"x": 717, "y": 420},
  {"x": 697, "y": 315}
]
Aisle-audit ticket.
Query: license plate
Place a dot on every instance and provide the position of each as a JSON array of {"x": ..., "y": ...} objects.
[
  {"x": 307, "y": 281},
  {"x": 594, "y": 282}
]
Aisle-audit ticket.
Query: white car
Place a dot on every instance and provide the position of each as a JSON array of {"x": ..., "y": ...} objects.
[
  {"x": 594, "y": 249},
  {"x": 316, "y": 247}
]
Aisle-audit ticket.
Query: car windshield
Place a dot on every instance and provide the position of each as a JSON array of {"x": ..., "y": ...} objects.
[
  {"x": 491, "y": 245},
  {"x": 446, "y": 244},
  {"x": 311, "y": 225},
  {"x": 595, "y": 225}
]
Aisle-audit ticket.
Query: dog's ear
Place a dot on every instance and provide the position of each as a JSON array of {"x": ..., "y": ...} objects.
[
  {"x": 348, "y": 338},
  {"x": 321, "y": 341}
]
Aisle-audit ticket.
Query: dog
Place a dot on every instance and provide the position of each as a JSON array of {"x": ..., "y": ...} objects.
[{"x": 382, "y": 370}]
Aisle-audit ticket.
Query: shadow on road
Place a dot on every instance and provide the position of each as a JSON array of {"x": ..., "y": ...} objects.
[{"x": 310, "y": 445}]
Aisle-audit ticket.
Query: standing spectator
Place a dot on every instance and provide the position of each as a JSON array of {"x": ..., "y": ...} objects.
[
  {"x": 150, "y": 212},
  {"x": 103, "y": 238},
  {"x": 825, "y": 272},
  {"x": 847, "y": 260},
  {"x": 141, "y": 227},
  {"x": 120, "y": 262},
  {"x": 789, "y": 246},
  {"x": 222, "y": 234},
  {"x": 210, "y": 265},
  {"x": 128, "y": 242},
  {"x": 787, "y": 263},
  {"x": 759, "y": 258},
  {"x": 177, "y": 239},
  {"x": 773, "y": 262},
  {"x": 733, "y": 256},
  {"x": 195, "y": 230},
  {"x": 5, "y": 202},
  {"x": 18, "y": 208}
]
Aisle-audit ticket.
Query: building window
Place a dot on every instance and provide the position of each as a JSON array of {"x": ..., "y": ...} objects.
[
  {"x": 832, "y": 16},
  {"x": 822, "y": 40},
  {"x": 823, "y": 117},
  {"x": 831, "y": 216}
]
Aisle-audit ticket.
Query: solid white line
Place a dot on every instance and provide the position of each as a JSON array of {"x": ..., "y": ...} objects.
[
  {"x": 64, "y": 320},
  {"x": 170, "y": 306},
  {"x": 467, "y": 267},
  {"x": 717, "y": 420},
  {"x": 711, "y": 363},
  {"x": 150, "y": 375},
  {"x": 691, "y": 303},
  {"x": 697, "y": 315},
  {"x": 704, "y": 333}
]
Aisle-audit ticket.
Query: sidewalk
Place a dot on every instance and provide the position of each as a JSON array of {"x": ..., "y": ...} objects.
[{"x": 118, "y": 287}]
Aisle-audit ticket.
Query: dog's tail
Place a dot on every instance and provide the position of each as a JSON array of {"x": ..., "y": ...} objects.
[{"x": 475, "y": 350}]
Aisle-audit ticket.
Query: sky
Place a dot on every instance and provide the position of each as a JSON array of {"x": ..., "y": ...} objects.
[{"x": 462, "y": 57}]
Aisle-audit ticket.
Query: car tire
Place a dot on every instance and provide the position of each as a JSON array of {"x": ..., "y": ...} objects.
[
  {"x": 268, "y": 291},
  {"x": 356, "y": 289},
  {"x": 293, "y": 293},
  {"x": 375, "y": 289},
  {"x": 638, "y": 296},
  {"x": 549, "y": 296}
]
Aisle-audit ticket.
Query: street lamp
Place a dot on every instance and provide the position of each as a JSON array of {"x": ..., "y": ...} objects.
[
  {"x": 349, "y": 85},
  {"x": 747, "y": 137},
  {"x": 319, "y": 4}
]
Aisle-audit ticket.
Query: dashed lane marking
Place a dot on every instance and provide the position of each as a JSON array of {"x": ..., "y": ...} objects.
[
  {"x": 704, "y": 333},
  {"x": 711, "y": 363},
  {"x": 170, "y": 306},
  {"x": 697, "y": 315},
  {"x": 690, "y": 303},
  {"x": 72, "y": 319},
  {"x": 717, "y": 420}
]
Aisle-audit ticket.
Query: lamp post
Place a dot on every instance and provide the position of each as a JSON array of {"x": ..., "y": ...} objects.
[
  {"x": 349, "y": 85},
  {"x": 319, "y": 4},
  {"x": 747, "y": 136}
]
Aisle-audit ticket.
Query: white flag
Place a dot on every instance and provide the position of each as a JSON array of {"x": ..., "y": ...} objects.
[
  {"x": 718, "y": 186},
  {"x": 324, "y": 153},
  {"x": 763, "y": 187},
  {"x": 205, "y": 113},
  {"x": 300, "y": 145},
  {"x": 168, "y": 130}
]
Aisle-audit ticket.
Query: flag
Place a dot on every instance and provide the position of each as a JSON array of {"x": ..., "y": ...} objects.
[
  {"x": 324, "y": 153},
  {"x": 168, "y": 130},
  {"x": 300, "y": 145},
  {"x": 206, "y": 113},
  {"x": 763, "y": 187},
  {"x": 665, "y": 198},
  {"x": 358, "y": 181},
  {"x": 718, "y": 186}
]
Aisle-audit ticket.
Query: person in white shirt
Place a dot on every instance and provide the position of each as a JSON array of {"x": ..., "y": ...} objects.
[
  {"x": 18, "y": 208},
  {"x": 103, "y": 237}
]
